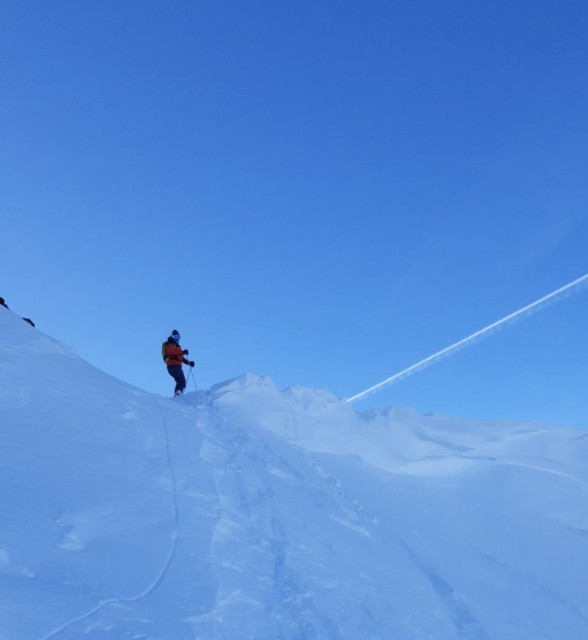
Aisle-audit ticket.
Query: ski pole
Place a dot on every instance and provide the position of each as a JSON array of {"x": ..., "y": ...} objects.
[{"x": 193, "y": 378}]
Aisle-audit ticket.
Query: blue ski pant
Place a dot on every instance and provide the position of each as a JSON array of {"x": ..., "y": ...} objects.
[{"x": 175, "y": 371}]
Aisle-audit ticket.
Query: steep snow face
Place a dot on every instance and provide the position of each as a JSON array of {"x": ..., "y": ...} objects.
[{"x": 247, "y": 512}]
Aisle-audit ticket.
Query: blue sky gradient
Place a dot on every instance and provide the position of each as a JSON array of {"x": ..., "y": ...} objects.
[{"x": 322, "y": 192}]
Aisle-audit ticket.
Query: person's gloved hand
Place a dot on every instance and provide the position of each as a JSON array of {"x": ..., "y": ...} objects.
[
  {"x": 185, "y": 352},
  {"x": 191, "y": 363}
]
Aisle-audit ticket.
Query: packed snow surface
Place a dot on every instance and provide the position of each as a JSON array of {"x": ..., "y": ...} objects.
[{"x": 249, "y": 513}]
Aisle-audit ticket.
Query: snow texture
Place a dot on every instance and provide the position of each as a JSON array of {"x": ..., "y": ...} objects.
[{"x": 249, "y": 513}]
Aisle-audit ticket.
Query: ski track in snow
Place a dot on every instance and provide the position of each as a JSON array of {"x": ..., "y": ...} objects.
[
  {"x": 533, "y": 466},
  {"x": 242, "y": 453},
  {"x": 159, "y": 577},
  {"x": 548, "y": 591},
  {"x": 466, "y": 625},
  {"x": 460, "y": 612},
  {"x": 288, "y": 587}
]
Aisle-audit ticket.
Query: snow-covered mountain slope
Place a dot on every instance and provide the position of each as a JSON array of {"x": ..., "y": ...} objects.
[{"x": 247, "y": 513}]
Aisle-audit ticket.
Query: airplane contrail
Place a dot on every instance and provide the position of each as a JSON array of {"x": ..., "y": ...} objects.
[{"x": 444, "y": 352}]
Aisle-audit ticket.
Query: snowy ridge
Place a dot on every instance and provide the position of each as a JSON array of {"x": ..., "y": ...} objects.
[{"x": 246, "y": 512}]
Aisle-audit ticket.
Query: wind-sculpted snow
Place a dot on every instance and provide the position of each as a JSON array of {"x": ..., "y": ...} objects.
[{"x": 249, "y": 513}]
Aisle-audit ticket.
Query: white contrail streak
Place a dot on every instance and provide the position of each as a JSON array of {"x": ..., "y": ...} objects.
[{"x": 444, "y": 352}]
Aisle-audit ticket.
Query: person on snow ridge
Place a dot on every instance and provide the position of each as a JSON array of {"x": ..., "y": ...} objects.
[{"x": 174, "y": 357}]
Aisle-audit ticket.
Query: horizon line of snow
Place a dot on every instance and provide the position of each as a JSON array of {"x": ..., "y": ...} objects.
[{"x": 456, "y": 345}]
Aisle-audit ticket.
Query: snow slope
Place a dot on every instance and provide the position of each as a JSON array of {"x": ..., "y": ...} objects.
[{"x": 249, "y": 513}]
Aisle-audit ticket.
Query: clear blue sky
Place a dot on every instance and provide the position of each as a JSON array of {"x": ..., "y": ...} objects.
[{"x": 323, "y": 192}]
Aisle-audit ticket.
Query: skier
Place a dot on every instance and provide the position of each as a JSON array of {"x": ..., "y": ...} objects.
[{"x": 173, "y": 356}]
